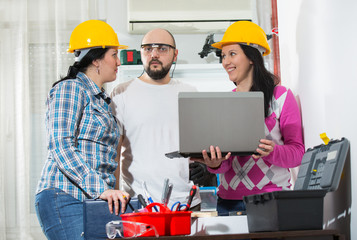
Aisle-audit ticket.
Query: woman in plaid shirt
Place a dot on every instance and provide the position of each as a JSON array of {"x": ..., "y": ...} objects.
[{"x": 82, "y": 135}]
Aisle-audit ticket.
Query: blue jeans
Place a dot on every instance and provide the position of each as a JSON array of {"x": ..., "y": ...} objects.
[
  {"x": 225, "y": 206},
  {"x": 60, "y": 215}
]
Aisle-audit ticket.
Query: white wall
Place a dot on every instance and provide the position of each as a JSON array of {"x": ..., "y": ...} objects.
[{"x": 318, "y": 62}]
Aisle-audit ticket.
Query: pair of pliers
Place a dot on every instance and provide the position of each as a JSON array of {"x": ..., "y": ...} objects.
[{"x": 177, "y": 206}]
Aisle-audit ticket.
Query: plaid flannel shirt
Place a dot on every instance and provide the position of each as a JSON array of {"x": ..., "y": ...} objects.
[{"x": 83, "y": 136}]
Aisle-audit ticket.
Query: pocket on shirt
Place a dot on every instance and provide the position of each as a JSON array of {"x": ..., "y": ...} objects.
[
  {"x": 100, "y": 116},
  {"x": 97, "y": 126},
  {"x": 94, "y": 124}
]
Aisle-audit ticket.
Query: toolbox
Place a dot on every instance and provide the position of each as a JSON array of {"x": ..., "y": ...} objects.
[
  {"x": 130, "y": 57},
  {"x": 285, "y": 210},
  {"x": 166, "y": 222},
  {"x": 96, "y": 215},
  {"x": 301, "y": 208}
]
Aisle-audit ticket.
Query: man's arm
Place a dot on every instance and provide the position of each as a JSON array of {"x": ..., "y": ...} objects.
[
  {"x": 117, "y": 159},
  {"x": 201, "y": 176}
]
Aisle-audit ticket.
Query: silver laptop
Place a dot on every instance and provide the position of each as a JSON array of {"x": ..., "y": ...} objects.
[{"x": 234, "y": 121}]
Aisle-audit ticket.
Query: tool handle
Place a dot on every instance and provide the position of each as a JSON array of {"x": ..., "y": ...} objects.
[
  {"x": 148, "y": 195},
  {"x": 164, "y": 190},
  {"x": 190, "y": 197},
  {"x": 142, "y": 200},
  {"x": 168, "y": 194}
]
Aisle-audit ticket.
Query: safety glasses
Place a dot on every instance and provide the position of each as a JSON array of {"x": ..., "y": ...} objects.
[
  {"x": 161, "y": 48},
  {"x": 127, "y": 229}
]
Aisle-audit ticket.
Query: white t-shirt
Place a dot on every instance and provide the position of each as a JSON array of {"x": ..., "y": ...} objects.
[{"x": 148, "y": 119}]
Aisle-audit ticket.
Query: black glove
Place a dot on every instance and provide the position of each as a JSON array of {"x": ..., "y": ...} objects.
[{"x": 200, "y": 176}]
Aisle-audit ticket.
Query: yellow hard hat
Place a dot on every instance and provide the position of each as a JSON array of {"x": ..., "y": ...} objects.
[
  {"x": 245, "y": 32},
  {"x": 92, "y": 34}
]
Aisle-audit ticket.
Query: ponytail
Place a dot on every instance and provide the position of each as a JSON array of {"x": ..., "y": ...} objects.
[
  {"x": 82, "y": 65},
  {"x": 71, "y": 74}
]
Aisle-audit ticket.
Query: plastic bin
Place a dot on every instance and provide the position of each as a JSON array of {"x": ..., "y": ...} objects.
[
  {"x": 285, "y": 210},
  {"x": 166, "y": 222},
  {"x": 208, "y": 198}
]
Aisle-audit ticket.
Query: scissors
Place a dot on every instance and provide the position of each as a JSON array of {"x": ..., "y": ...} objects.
[
  {"x": 177, "y": 206},
  {"x": 188, "y": 205}
]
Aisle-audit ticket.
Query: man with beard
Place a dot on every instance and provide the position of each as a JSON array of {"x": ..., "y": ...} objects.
[{"x": 147, "y": 112}]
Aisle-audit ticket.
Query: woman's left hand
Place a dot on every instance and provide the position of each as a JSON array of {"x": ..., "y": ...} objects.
[
  {"x": 114, "y": 196},
  {"x": 264, "y": 149}
]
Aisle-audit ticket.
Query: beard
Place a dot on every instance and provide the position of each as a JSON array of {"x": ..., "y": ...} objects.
[{"x": 157, "y": 74}]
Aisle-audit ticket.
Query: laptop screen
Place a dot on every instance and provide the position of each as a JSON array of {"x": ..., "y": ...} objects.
[{"x": 234, "y": 121}]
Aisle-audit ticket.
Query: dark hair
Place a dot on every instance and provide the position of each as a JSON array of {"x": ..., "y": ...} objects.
[
  {"x": 81, "y": 66},
  {"x": 263, "y": 80}
]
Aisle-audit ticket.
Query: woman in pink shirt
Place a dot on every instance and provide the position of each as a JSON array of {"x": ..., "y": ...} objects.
[{"x": 243, "y": 46}]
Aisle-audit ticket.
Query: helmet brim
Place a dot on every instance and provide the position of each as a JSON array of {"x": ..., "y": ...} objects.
[
  {"x": 71, "y": 50},
  {"x": 220, "y": 45}
]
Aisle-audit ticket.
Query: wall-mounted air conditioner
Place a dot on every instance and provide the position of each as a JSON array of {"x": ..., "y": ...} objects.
[{"x": 186, "y": 16}]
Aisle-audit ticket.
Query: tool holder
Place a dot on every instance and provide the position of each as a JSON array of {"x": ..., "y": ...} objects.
[{"x": 166, "y": 222}]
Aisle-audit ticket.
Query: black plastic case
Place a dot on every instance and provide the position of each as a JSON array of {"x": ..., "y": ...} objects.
[
  {"x": 301, "y": 208},
  {"x": 285, "y": 210}
]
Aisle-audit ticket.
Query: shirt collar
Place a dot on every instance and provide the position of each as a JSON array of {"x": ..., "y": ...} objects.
[{"x": 93, "y": 87}]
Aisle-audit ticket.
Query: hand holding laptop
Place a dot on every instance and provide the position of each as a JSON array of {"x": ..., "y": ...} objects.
[
  {"x": 214, "y": 159},
  {"x": 264, "y": 149}
]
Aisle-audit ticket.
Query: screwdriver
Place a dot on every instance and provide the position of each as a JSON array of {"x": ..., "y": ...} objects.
[
  {"x": 190, "y": 197},
  {"x": 142, "y": 200}
]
